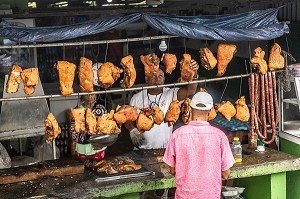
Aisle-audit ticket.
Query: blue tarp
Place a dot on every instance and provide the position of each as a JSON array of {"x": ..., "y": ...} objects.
[{"x": 249, "y": 26}]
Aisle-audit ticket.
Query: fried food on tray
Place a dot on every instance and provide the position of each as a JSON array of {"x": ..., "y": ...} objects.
[
  {"x": 30, "y": 77},
  {"x": 173, "y": 112},
  {"x": 125, "y": 113},
  {"x": 90, "y": 121},
  {"x": 107, "y": 125},
  {"x": 66, "y": 73},
  {"x": 276, "y": 60},
  {"x": 108, "y": 73},
  {"x": 145, "y": 121},
  {"x": 52, "y": 129},
  {"x": 169, "y": 61},
  {"x": 129, "y": 72},
  {"x": 207, "y": 58},
  {"x": 79, "y": 119},
  {"x": 86, "y": 75},
  {"x": 186, "y": 111},
  {"x": 157, "y": 114},
  {"x": 226, "y": 109},
  {"x": 187, "y": 73},
  {"x": 225, "y": 54},
  {"x": 151, "y": 63},
  {"x": 212, "y": 114},
  {"x": 14, "y": 79},
  {"x": 242, "y": 110},
  {"x": 129, "y": 167},
  {"x": 115, "y": 166},
  {"x": 258, "y": 61}
]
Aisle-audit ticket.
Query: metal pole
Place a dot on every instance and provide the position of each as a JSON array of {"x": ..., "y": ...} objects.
[
  {"x": 87, "y": 42},
  {"x": 127, "y": 89}
]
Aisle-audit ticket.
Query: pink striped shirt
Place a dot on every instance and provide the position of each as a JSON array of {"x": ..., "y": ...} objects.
[{"x": 199, "y": 152}]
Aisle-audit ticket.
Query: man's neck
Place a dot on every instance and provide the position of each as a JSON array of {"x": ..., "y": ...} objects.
[{"x": 155, "y": 91}]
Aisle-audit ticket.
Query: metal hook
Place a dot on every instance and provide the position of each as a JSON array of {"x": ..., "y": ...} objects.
[
  {"x": 249, "y": 46},
  {"x": 150, "y": 44},
  {"x": 205, "y": 83},
  {"x": 83, "y": 51},
  {"x": 224, "y": 89},
  {"x": 124, "y": 97},
  {"x": 143, "y": 96},
  {"x": 246, "y": 67},
  {"x": 184, "y": 44},
  {"x": 106, "y": 51},
  {"x": 173, "y": 91},
  {"x": 64, "y": 52},
  {"x": 127, "y": 47},
  {"x": 169, "y": 43},
  {"x": 241, "y": 86},
  {"x": 78, "y": 100},
  {"x": 105, "y": 98}
]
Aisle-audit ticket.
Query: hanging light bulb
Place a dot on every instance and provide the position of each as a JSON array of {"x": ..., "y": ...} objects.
[
  {"x": 163, "y": 46},
  {"x": 109, "y": 1}
]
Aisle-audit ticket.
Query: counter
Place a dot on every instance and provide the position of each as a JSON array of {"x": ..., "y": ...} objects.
[{"x": 265, "y": 171}]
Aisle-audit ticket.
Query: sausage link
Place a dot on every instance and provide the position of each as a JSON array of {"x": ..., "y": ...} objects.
[
  {"x": 276, "y": 109},
  {"x": 252, "y": 110},
  {"x": 267, "y": 98},
  {"x": 258, "y": 132},
  {"x": 257, "y": 94},
  {"x": 263, "y": 106},
  {"x": 273, "y": 126}
]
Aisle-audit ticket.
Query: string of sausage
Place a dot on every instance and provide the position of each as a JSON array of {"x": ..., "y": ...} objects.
[{"x": 264, "y": 105}]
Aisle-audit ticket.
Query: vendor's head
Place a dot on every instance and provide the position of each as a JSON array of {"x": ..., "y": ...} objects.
[
  {"x": 157, "y": 78},
  {"x": 88, "y": 101},
  {"x": 201, "y": 104}
]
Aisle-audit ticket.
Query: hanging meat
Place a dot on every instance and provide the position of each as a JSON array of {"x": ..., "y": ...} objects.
[
  {"x": 187, "y": 73},
  {"x": 66, "y": 73},
  {"x": 107, "y": 125},
  {"x": 157, "y": 114},
  {"x": 225, "y": 54},
  {"x": 129, "y": 72},
  {"x": 14, "y": 79},
  {"x": 226, "y": 109},
  {"x": 173, "y": 112},
  {"x": 125, "y": 113},
  {"x": 276, "y": 60},
  {"x": 108, "y": 73},
  {"x": 30, "y": 77},
  {"x": 258, "y": 61},
  {"x": 90, "y": 121},
  {"x": 242, "y": 110},
  {"x": 169, "y": 61},
  {"x": 52, "y": 129},
  {"x": 186, "y": 111},
  {"x": 151, "y": 64},
  {"x": 212, "y": 114},
  {"x": 145, "y": 121},
  {"x": 207, "y": 58},
  {"x": 86, "y": 75},
  {"x": 78, "y": 115}
]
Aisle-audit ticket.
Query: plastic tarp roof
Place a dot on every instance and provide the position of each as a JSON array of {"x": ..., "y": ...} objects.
[{"x": 249, "y": 26}]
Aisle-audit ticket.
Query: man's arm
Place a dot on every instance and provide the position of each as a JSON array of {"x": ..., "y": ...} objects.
[
  {"x": 225, "y": 174},
  {"x": 172, "y": 170},
  {"x": 190, "y": 88}
]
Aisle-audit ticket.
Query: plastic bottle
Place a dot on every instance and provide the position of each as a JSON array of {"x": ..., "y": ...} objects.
[{"x": 236, "y": 149}]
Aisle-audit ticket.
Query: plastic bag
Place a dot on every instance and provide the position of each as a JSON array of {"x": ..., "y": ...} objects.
[
  {"x": 44, "y": 151},
  {"x": 5, "y": 161}
]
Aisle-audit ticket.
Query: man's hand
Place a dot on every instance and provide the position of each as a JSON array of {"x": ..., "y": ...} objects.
[
  {"x": 194, "y": 65},
  {"x": 136, "y": 137}
]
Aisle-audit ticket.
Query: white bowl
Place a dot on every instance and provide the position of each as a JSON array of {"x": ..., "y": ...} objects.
[
  {"x": 240, "y": 190},
  {"x": 228, "y": 194}
]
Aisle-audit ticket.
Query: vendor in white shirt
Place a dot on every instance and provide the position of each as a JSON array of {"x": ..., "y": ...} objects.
[{"x": 159, "y": 135}]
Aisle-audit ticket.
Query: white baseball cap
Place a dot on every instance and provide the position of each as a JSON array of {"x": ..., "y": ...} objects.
[{"x": 202, "y": 101}]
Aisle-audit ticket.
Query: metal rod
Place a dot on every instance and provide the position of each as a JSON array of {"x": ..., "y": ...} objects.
[
  {"x": 127, "y": 89},
  {"x": 87, "y": 42}
]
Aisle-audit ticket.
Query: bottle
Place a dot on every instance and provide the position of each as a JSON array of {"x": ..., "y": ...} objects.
[{"x": 236, "y": 149}]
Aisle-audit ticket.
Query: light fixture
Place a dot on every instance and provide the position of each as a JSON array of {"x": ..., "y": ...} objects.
[
  {"x": 163, "y": 46},
  {"x": 109, "y": 1}
]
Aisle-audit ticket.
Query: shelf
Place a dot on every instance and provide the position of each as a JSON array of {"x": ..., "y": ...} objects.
[
  {"x": 22, "y": 133},
  {"x": 291, "y": 101}
]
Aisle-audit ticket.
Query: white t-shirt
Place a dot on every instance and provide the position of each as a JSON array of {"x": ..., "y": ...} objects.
[{"x": 159, "y": 135}]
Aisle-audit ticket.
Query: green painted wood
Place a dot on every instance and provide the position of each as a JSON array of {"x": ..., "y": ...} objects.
[
  {"x": 264, "y": 187},
  {"x": 292, "y": 177}
]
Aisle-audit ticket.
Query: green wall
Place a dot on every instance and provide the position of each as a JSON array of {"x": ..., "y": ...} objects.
[
  {"x": 292, "y": 177},
  {"x": 21, "y": 4}
]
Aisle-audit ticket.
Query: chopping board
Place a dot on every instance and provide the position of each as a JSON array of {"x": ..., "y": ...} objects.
[{"x": 59, "y": 167}]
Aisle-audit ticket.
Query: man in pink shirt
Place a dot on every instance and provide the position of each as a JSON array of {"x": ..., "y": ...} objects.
[{"x": 199, "y": 154}]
